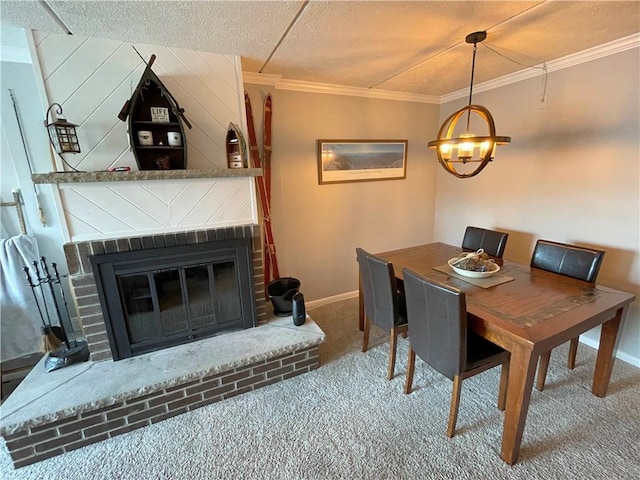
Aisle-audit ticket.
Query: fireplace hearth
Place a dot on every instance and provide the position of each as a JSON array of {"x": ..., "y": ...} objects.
[{"x": 101, "y": 400}]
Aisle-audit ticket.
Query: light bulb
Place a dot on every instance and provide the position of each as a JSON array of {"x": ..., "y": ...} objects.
[
  {"x": 484, "y": 148},
  {"x": 445, "y": 151}
]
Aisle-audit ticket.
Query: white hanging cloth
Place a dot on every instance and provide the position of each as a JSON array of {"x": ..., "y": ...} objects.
[{"x": 20, "y": 321}]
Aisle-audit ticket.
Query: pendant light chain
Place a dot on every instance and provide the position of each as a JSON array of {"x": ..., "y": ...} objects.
[{"x": 473, "y": 68}]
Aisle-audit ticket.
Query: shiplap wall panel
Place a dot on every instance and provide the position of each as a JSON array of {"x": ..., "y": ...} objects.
[
  {"x": 222, "y": 196},
  {"x": 113, "y": 77},
  {"x": 106, "y": 202},
  {"x": 102, "y": 152},
  {"x": 107, "y": 210},
  {"x": 235, "y": 207},
  {"x": 193, "y": 198},
  {"x": 93, "y": 78},
  {"x": 222, "y": 77},
  {"x": 166, "y": 192},
  {"x": 54, "y": 49},
  {"x": 104, "y": 143},
  {"x": 105, "y": 147},
  {"x": 84, "y": 210},
  {"x": 109, "y": 150},
  {"x": 246, "y": 212},
  {"x": 78, "y": 68},
  {"x": 146, "y": 201},
  {"x": 75, "y": 224},
  {"x": 207, "y": 83},
  {"x": 198, "y": 160}
]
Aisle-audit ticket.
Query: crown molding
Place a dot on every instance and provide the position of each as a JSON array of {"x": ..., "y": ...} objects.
[
  {"x": 261, "y": 78},
  {"x": 330, "y": 89},
  {"x": 610, "y": 48},
  {"x": 604, "y": 50}
]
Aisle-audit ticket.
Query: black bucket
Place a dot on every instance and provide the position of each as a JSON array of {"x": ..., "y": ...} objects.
[{"x": 281, "y": 292}]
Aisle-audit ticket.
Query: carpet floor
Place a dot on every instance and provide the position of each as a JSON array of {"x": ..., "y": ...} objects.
[{"x": 346, "y": 421}]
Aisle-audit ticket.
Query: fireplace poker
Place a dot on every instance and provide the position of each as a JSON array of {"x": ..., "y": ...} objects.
[
  {"x": 57, "y": 331},
  {"x": 50, "y": 340},
  {"x": 64, "y": 300},
  {"x": 33, "y": 290},
  {"x": 67, "y": 354},
  {"x": 44, "y": 300},
  {"x": 47, "y": 278}
]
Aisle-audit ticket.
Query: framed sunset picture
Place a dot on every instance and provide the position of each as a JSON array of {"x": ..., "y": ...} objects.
[{"x": 341, "y": 161}]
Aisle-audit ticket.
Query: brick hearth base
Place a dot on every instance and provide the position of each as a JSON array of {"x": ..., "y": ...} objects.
[{"x": 56, "y": 412}]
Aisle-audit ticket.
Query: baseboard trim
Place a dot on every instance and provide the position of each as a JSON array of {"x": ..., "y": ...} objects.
[
  {"x": 328, "y": 300},
  {"x": 619, "y": 355}
]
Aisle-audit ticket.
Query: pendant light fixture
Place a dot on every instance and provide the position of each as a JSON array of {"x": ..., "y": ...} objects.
[{"x": 467, "y": 147}]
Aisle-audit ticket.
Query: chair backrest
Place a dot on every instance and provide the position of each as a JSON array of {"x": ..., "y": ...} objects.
[
  {"x": 379, "y": 289},
  {"x": 491, "y": 241},
  {"x": 569, "y": 260},
  {"x": 437, "y": 316}
]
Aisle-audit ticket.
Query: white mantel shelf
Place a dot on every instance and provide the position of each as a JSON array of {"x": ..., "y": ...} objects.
[{"x": 91, "y": 177}]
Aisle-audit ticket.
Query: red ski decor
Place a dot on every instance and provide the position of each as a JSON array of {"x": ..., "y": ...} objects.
[
  {"x": 266, "y": 149},
  {"x": 266, "y": 145},
  {"x": 264, "y": 188}
]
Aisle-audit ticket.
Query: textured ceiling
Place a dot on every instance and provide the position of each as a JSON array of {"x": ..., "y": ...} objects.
[{"x": 414, "y": 47}]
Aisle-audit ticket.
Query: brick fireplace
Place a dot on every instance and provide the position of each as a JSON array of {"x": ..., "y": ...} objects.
[{"x": 83, "y": 283}]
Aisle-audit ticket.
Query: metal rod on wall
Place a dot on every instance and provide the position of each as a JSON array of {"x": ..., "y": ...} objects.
[{"x": 41, "y": 216}]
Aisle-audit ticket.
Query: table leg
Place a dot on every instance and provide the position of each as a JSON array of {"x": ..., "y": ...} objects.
[
  {"x": 605, "y": 358},
  {"x": 360, "y": 308},
  {"x": 522, "y": 369}
]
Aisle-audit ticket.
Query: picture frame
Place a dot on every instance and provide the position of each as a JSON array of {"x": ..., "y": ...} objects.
[{"x": 344, "y": 161}]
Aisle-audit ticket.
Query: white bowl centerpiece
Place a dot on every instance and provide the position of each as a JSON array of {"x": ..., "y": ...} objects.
[{"x": 474, "y": 264}]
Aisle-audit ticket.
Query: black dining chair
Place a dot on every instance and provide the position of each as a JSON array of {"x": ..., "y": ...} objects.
[
  {"x": 572, "y": 261},
  {"x": 384, "y": 304},
  {"x": 437, "y": 315},
  {"x": 491, "y": 241}
]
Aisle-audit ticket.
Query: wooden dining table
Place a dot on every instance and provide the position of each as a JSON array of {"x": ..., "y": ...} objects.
[{"x": 530, "y": 313}]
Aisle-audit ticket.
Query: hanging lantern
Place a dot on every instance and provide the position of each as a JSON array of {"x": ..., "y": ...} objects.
[{"x": 62, "y": 134}]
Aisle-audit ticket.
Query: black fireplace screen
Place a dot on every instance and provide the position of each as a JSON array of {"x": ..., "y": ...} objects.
[{"x": 157, "y": 298}]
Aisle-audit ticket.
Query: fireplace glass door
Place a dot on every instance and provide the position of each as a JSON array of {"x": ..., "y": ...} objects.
[{"x": 175, "y": 296}]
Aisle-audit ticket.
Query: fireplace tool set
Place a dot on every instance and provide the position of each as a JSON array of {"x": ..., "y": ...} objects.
[{"x": 61, "y": 343}]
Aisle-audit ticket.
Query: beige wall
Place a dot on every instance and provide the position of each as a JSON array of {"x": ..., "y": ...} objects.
[
  {"x": 317, "y": 227},
  {"x": 571, "y": 173}
]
